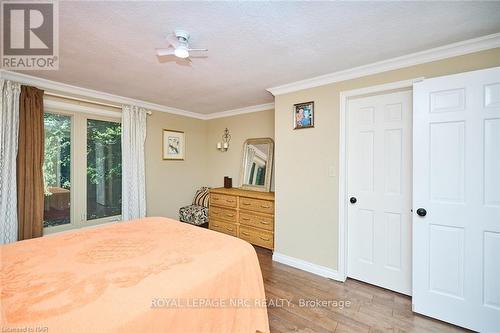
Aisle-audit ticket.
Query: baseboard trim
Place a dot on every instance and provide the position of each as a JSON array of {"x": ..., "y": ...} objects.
[{"x": 307, "y": 266}]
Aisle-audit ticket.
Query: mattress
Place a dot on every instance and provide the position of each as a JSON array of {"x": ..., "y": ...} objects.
[{"x": 147, "y": 275}]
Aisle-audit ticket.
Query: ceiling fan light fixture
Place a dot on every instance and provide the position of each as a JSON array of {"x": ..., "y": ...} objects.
[
  {"x": 178, "y": 45},
  {"x": 181, "y": 52}
]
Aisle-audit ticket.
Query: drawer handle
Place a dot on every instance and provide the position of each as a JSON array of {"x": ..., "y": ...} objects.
[
  {"x": 215, "y": 213},
  {"x": 245, "y": 233},
  {"x": 230, "y": 215},
  {"x": 229, "y": 229},
  {"x": 230, "y": 201},
  {"x": 215, "y": 198},
  {"x": 246, "y": 203},
  {"x": 264, "y": 239},
  {"x": 264, "y": 222},
  {"x": 216, "y": 225},
  {"x": 262, "y": 206},
  {"x": 245, "y": 218}
]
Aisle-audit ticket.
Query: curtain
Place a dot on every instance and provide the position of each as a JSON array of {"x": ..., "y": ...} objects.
[
  {"x": 30, "y": 163},
  {"x": 9, "y": 128},
  {"x": 133, "y": 174}
]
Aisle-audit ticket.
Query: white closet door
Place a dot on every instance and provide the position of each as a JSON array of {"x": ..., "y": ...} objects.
[
  {"x": 456, "y": 166},
  {"x": 379, "y": 187}
]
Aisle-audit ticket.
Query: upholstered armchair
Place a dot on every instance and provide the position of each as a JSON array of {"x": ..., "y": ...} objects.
[{"x": 197, "y": 212}]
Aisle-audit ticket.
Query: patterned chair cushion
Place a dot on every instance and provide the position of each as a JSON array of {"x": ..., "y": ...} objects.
[
  {"x": 194, "y": 214},
  {"x": 201, "y": 197}
]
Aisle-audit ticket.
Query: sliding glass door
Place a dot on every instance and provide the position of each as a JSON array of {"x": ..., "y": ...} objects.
[
  {"x": 57, "y": 170},
  {"x": 104, "y": 169},
  {"x": 82, "y": 170}
]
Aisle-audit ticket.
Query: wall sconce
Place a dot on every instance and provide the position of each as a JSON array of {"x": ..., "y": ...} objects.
[{"x": 224, "y": 145}]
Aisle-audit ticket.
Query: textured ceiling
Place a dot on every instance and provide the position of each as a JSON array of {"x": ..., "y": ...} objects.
[{"x": 110, "y": 46}]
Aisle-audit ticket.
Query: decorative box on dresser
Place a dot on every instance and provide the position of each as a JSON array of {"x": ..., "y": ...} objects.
[{"x": 248, "y": 215}]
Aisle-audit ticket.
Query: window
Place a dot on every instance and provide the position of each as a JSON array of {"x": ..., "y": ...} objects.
[
  {"x": 57, "y": 170},
  {"x": 82, "y": 170},
  {"x": 104, "y": 169}
]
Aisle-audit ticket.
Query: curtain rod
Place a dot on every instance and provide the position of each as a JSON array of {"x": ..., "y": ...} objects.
[{"x": 87, "y": 101}]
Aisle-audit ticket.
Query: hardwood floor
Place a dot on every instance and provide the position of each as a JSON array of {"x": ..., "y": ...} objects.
[{"x": 371, "y": 309}]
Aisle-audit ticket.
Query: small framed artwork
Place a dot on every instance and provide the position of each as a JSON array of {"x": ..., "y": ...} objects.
[
  {"x": 174, "y": 145},
  {"x": 303, "y": 115}
]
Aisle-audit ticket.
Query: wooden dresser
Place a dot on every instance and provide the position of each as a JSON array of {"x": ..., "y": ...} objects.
[{"x": 248, "y": 215}]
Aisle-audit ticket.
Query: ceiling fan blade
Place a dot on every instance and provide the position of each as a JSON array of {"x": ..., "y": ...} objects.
[
  {"x": 172, "y": 40},
  {"x": 165, "y": 52},
  {"x": 198, "y": 50}
]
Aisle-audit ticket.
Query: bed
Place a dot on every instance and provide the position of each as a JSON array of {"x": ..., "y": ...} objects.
[{"x": 147, "y": 275}]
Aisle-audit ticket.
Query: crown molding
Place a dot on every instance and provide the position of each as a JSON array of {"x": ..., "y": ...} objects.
[
  {"x": 438, "y": 53},
  {"x": 103, "y": 96},
  {"x": 234, "y": 112},
  {"x": 92, "y": 94}
]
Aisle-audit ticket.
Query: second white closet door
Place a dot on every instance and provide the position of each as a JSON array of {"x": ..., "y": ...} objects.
[{"x": 379, "y": 189}]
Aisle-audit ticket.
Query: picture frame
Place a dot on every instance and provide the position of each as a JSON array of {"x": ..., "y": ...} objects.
[
  {"x": 303, "y": 115},
  {"x": 174, "y": 145}
]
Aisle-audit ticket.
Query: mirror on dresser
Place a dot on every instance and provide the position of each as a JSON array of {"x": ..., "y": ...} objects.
[{"x": 257, "y": 164}]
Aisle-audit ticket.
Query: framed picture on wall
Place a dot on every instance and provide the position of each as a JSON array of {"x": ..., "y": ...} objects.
[
  {"x": 174, "y": 145},
  {"x": 303, "y": 115}
]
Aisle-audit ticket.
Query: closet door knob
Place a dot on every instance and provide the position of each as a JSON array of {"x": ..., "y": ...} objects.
[
  {"x": 353, "y": 200},
  {"x": 421, "y": 212}
]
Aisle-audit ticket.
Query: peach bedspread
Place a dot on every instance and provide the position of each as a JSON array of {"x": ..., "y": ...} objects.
[{"x": 148, "y": 275}]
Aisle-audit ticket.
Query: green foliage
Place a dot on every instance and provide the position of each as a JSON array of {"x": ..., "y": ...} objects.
[
  {"x": 108, "y": 136},
  {"x": 57, "y": 151},
  {"x": 57, "y": 162}
]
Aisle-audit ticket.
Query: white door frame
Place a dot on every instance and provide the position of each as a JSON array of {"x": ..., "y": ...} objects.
[{"x": 343, "y": 195}]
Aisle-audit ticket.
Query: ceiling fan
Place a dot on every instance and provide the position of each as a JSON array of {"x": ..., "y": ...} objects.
[{"x": 179, "y": 45}]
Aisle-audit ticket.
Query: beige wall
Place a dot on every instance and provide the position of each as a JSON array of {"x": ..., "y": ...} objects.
[
  {"x": 171, "y": 184},
  {"x": 306, "y": 197},
  {"x": 241, "y": 127}
]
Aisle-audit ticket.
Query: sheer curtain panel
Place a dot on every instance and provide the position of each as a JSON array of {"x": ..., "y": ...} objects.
[
  {"x": 9, "y": 129},
  {"x": 133, "y": 174}
]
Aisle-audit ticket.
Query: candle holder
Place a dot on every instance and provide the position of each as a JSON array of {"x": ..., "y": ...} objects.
[{"x": 224, "y": 145}]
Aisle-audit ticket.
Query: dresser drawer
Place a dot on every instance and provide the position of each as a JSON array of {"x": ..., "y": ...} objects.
[
  {"x": 257, "y": 237},
  {"x": 223, "y": 200},
  {"x": 259, "y": 221},
  {"x": 222, "y": 213},
  {"x": 224, "y": 227},
  {"x": 257, "y": 205}
]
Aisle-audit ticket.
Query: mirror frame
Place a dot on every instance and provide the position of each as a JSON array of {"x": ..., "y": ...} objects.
[{"x": 267, "y": 182}]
